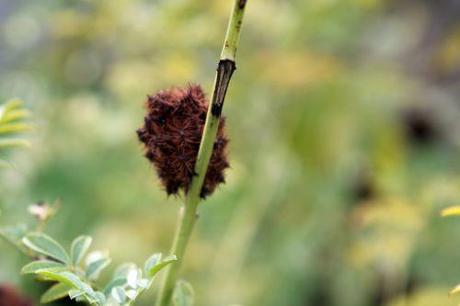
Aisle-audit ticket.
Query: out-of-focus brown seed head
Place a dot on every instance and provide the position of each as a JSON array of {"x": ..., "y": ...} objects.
[
  {"x": 171, "y": 135},
  {"x": 9, "y": 296}
]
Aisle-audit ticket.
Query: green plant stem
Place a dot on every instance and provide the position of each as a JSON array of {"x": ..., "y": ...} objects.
[{"x": 188, "y": 213}]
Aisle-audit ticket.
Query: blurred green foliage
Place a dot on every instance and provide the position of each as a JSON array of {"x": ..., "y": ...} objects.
[
  {"x": 12, "y": 124},
  {"x": 345, "y": 137}
]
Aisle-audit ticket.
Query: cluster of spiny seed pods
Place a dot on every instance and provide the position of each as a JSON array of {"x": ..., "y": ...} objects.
[{"x": 172, "y": 133}]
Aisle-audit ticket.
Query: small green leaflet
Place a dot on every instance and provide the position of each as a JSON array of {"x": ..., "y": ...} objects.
[
  {"x": 45, "y": 245},
  {"x": 118, "y": 293},
  {"x": 154, "y": 264},
  {"x": 79, "y": 248},
  {"x": 94, "y": 268}
]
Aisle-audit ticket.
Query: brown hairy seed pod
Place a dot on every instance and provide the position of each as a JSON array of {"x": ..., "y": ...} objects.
[
  {"x": 9, "y": 296},
  {"x": 172, "y": 133}
]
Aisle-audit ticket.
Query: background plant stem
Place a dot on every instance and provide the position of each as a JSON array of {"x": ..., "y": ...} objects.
[{"x": 188, "y": 213}]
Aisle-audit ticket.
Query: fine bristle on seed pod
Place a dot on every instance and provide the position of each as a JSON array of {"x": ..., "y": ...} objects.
[{"x": 171, "y": 136}]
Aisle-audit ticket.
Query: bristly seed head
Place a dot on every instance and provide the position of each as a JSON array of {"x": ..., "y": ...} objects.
[{"x": 172, "y": 133}]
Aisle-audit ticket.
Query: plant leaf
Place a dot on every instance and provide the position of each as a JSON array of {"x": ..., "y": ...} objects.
[
  {"x": 123, "y": 270},
  {"x": 71, "y": 280},
  {"x": 79, "y": 248},
  {"x": 11, "y": 128},
  {"x": 131, "y": 294},
  {"x": 451, "y": 211},
  {"x": 56, "y": 292},
  {"x": 12, "y": 115},
  {"x": 13, "y": 110},
  {"x": 153, "y": 266},
  {"x": 35, "y": 266},
  {"x": 151, "y": 262},
  {"x": 13, "y": 142},
  {"x": 74, "y": 294},
  {"x": 99, "y": 298},
  {"x": 15, "y": 115},
  {"x": 14, "y": 234},
  {"x": 121, "y": 281},
  {"x": 133, "y": 277},
  {"x": 455, "y": 290},
  {"x": 46, "y": 245},
  {"x": 94, "y": 268},
  {"x": 183, "y": 294},
  {"x": 118, "y": 293}
]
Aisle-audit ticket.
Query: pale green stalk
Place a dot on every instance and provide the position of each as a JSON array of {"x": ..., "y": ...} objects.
[{"x": 188, "y": 213}]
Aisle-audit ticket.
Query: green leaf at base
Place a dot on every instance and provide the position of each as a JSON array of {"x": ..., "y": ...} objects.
[{"x": 56, "y": 292}]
